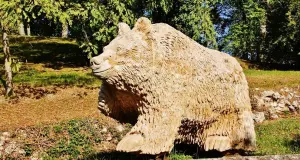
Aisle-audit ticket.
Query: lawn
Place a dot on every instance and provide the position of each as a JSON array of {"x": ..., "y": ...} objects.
[
  {"x": 278, "y": 137},
  {"x": 265, "y": 79}
]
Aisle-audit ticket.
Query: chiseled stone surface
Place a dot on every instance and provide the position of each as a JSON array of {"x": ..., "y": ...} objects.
[{"x": 173, "y": 89}]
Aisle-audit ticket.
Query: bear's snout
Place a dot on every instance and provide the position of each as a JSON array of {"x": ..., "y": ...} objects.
[
  {"x": 96, "y": 61},
  {"x": 100, "y": 65}
]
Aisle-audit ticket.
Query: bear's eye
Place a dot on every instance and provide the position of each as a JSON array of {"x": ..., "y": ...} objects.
[{"x": 119, "y": 49}]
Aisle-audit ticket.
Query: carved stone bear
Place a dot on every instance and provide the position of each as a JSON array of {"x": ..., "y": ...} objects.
[{"x": 173, "y": 89}]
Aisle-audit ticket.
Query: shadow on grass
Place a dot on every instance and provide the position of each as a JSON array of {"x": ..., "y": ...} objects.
[
  {"x": 294, "y": 144},
  {"x": 53, "y": 54}
]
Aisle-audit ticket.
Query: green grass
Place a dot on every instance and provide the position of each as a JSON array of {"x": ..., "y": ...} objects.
[
  {"x": 74, "y": 139},
  {"x": 272, "y": 79},
  {"x": 180, "y": 157},
  {"x": 53, "y": 52},
  {"x": 278, "y": 137},
  {"x": 37, "y": 78}
]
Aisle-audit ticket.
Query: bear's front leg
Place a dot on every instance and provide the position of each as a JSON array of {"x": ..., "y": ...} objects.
[{"x": 154, "y": 133}]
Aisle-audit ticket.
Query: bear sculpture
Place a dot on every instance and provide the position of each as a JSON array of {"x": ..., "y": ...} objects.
[{"x": 173, "y": 90}]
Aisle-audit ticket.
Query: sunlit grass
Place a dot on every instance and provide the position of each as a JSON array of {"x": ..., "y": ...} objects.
[
  {"x": 278, "y": 137},
  {"x": 35, "y": 78},
  {"x": 272, "y": 79}
]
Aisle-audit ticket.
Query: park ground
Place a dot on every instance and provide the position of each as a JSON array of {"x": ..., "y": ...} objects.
[{"x": 55, "y": 105}]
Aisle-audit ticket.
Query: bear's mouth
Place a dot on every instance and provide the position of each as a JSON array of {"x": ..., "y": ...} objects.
[{"x": 98, "y": 71}]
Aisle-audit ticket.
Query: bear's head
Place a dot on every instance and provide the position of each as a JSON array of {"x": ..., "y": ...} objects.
[{"x": 127, "y": 52}]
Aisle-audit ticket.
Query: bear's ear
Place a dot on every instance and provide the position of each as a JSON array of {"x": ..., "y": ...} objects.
[
  {"x": 143, "y": 25},
  {"x": 123, "y": 28}
]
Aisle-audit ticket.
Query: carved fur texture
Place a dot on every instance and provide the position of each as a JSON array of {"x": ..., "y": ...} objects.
[{"x": 174, "y": 90}]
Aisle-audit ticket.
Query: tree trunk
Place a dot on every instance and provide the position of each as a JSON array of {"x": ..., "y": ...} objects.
[
  {"x": 65, "y": 30},
  {"x": 21, "y": 29},
  {"x": 7, "y": 66},
  {"x": 28, "y": 30}
]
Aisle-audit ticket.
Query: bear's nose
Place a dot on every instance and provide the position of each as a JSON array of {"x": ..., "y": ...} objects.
[{"x": 95, "y": 61}]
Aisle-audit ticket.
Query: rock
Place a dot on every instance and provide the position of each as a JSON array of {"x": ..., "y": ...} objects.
[
  {"x": 276, "y": 96},
  {"x": 281, "y": 105},
  {"x": 274, "y": 116},
  {"x": 21, "y": 152},
  {"x": 295, "y": 104},
  {"x": 267, "y": 99},
  {"x": 257, "y": 89},
  {"x": 267, "y": 93},
  {"x": 2, "y": 141},
  {"x": 290, "y": 96},
  {"x": 259, "y": 117},
  {"x": 120, "y": 128},
  {"x": 11, "y": 147},
  {"x": 109, "y": 137},
  {"x": 150, "y": 57},
  {"x": 6, "y": 134},
  {"x": 104, "y": 130},
  {"x": 292, "y": 108},
  {"x": 274, "y": 104}
]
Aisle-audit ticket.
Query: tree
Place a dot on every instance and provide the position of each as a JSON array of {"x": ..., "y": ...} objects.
[
  {"x": 98, "y": 22},
  {"x": 244, "y": 20},
  {"x": 12, "y": 13}
]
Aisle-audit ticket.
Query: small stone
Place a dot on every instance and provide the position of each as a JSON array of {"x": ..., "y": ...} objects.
[
  {"x": 109, "y": 137},
  {"x": 11, "y": 147},
  {"x": 104, "y": 130},
  {"x": 267, "y": 93},
  {"x": 6, "y": 134},
  {"x": 281, "y": 105},
  {"x": 267, "y": 99},
  {"x": 276, "y": 96},
  {"x": 292, "y": 109},
  {"x": 290, "y": 96},
  {"x": 257, "y": 89},
  {"x": 259, "y": 117},
  {"x": 21, "y": 152},
  {"x": 274, "y": 116},
  {"x": 120, "y": 128},
  {"x": 295, "y": 104},
  {"x": 274, "y": 104}
]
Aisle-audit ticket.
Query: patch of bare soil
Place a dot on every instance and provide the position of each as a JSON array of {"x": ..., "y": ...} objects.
[{"x": 47, "y": 105}]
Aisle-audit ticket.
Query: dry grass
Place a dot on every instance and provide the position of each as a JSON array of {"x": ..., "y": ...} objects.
[
  {"x": 67, "y": 104},
  {"x": 272, "y": 79}
]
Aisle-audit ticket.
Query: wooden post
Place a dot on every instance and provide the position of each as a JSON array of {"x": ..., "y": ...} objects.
[{"x": 7, "y": 65}]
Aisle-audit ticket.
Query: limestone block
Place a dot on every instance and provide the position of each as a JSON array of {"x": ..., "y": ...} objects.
[{"x": 173, "y": 90}]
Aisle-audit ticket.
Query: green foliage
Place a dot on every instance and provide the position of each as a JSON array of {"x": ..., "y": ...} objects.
[
  {"x": 14, "y": 12},
  {"x": 244, "y": 35},
  {"x": 194, "y": 19},
  {"x": 99, "y": 23}
]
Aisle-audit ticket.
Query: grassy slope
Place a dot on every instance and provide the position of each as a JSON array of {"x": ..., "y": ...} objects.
[{"x": 272, "y": 79}]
